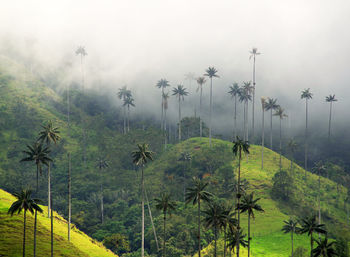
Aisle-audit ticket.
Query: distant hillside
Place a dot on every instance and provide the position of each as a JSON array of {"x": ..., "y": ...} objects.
[{"x": 11, "y": 234}]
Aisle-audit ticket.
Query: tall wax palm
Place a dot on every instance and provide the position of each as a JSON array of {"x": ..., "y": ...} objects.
[
  {"x": 263, "y": 106},
  {"x": 234, "y": 236},
  {"x": 253, "y": 53},
  {"x": 129, "y": 101},
  {"x": 166, "y": 205},
  {"x": 123, "y": 94},
  {"x": 186, "y": 158},
  {"x": 215, "y": 219},
  {"x": 290, "y": 226},
  {"x": 271, "y": 105},
  {"x": 162, "y": 83},
  {"x": 292, "y": 146},
  {"x": 211, "y": 73},
  {"x": 239, "y": 146},
  {"x": 101, "y": 165},
  {"x": 245, "y": 97},
  {"x": 310, "y": 226},
  {"x": 234, "y": 92},
  {"x": 248, "y": 89},
  {"x": 249, "y": 205},
  {"x": 165, "y": 106},
  {"x": 38, "y": 154},
  {"x": 324, "y": 248},
  {"x": 319, "y": 169},
  {"x": 196, "y": 194},
  {"x": 81, "y": 51},
  {"x": 330, "y": 99},
  {"x": 200, "y": 81},
  {"x": 307, "y": 95},
  {"x": 180, "y": 92},
  {"x": 280, "y": 113},
  {"x": 228, "y": 222},
  {"x": 190, "y": 76},
  {"x": 49, "y": 134},
  {"x": 140, "y": 157},
  {"x": 26, "y": 203}
]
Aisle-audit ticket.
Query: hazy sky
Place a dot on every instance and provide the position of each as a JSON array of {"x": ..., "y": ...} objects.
[{"x": 303, "y": 44}]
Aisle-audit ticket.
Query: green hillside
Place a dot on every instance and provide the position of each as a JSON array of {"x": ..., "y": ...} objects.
[{"x": 11, "y": 235}]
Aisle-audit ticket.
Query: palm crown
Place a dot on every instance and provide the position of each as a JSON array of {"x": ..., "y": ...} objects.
[
  {"x": 306, "y": 94},
  {"x": 200, "y": 82},
  {"x": 290, "y": 226},
  {"x": 38, "y": 154},
  {"x": 271, "y": 104},
  {"x": 165, "y": 204},
  {"x": 309, "y": 225},
  {"x": 249, "y": 204},
  {"x": 163, "y": 83},
  {"x": 129, "y": 101},
  {"x": 280, "y": 113},
  {"x": 211, "y": 72},
  {"x": 331, "y": 98},
  {"x": 102, "y": 163},
  {"x": 234, "y": 90},
  {"x": 197, "y": 192},
  {"x": 324, "y": 248},
  {"x": 49, "y": 134},
  {"x": 240, "y": 145},
  {"x": 292, "y": 145},
  {"x": 142, "y": 155},
  {"x": 180, "y": 92},
  {"x": 24, "y": 202},
  {"x": 254, "y": 52},
  {"x": 81, "y": 51},
  {"x": 124, "y": 93}
]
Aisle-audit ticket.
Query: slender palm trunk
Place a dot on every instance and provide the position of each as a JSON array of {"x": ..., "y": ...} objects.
[
  {"x": 199, "y": 226},
  {"x": 143, "y": 214},
  {"x": 162, "y": 116},
  {"x": 37, "y": 177},
  {"x": 164, "y": 222},
  {"x": 244, "y": 123},
  {"x": 69, "y": 196},
  {"x": 319, "y": 203},
  {"x": 235, "y": 120},
  {"x": 128, "y": 118},
  {"x": 312, "y": 244},
  {"x": 246, "y": 120},
  {"x": 51, "y": 232},
  {"x": 248, "y": 235},
  {"x": 262, "y": 138},
  {"x": 330, "y": 120},
  {"x": 215, "y": 240},
  {"x": 292, "y": 243},
  {"x": 271, "y": 129},
  {"x": 151, "y": 217},
  {"x": 124, "y": 121},
  {"x": 225, "y": 242},
  {"x": 211, "y": 107},
  {"x": 24, "y": 232},
  {"x": 253, "y": 132},
  {"x": 101, "y": 203},
  {"x": 179, "y": 119},
  {"x": 35, "y": 225},
  {"x": 280, "y": 144},
  {"x": 238, "y": 201},
  {"x": 200, "y": 113},
  {"x": 165, "y": 130},
  {"x": 48, "y": 190},
  {"x": 306, "y": 143}
]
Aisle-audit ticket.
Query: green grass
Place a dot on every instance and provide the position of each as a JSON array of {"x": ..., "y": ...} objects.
[{"x": 11, "y": 235}]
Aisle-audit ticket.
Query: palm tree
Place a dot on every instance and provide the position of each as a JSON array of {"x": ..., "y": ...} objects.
[
  {"x": 234, "y": 236},
  {"x": 249, "y": 204},
  {"x": 49, "y": 134},
  {"x": 280, "y": 113},
  {"x": 319, "y": 169},
  {"x": 253, "y": 54},
  {"x": 163, "y": 83},
  {"x": 228, "y": 222},
  {"x": 292, "y": 145},
  {"x": 215, "y": 219},
  {"x": 211, "y": 73},
  {"x": 239, "y": 146},
  {"x": 263, "y": 104},
  {"x": 26, "y": 203},
  {"x": 271, "y": 105},
  {"x": 101, "y": 164},
  {"x": 330, "y": 99},
  {"x": 195, "y": 194},
  {"x": 324, "y": 248},
  {"x": 166, "y": 205},
  {"x": 129, "y": 101},
  {"x": 165, "y": 106},
  {"x": 38, "y": 154},
  {"x": 185, "y": 157},
  {"x": 140, "y": 157},
  {"x": 200, "y": 81},
  {"x": 180, "y": 92},
  {"x": 190, "y": 76},
  {"x": 291, "y": 226},
  {"x": 123, "y": 94},
  {"x": 245, "y": 97},
  {"x": 307, "y": 95},
  {"x": 234, "y": 92},
  {"x": 310, "y": 226}
]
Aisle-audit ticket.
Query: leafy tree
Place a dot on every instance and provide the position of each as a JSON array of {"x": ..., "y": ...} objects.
[
  {"x": 234, "y": 92},
  {"x": 280, "y": 113},
  {"x": 101, "y": 165},
  {"x": 282, "y": 186},
  {"x": 324, "y": 248},
  {"x": 211, "y": 73},
  {"x": 300, "y": 252},
  {"x": 196, "y": 194},
  {"x": 200, "y": 81},
  {"x": 140, "y": 157},
  {"x": 249, "y": 205},
  {"x": 162, "y": 83},
  {"x": 117, "y": 243},
  {"x": 180, "y": 92},
  {"x": 165, "y": 204},
  {"x": 26, "y": 203},
  {"x": 310, "y": 226},
  {"x": 290, "y": 226},
  {"x": 342, "y": 247},
  {"x": 307, "y": 95},
  {"x": 253, "y": 53},
  {"x": 239, "y": 146},
  {"x": 271, "y": 105},
  {"x": 330, "y": 99}
]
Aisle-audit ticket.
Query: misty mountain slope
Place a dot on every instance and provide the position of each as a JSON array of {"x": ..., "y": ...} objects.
[
  {"x": 217, "y": 164},
  {"x": 11, "y": 235}
]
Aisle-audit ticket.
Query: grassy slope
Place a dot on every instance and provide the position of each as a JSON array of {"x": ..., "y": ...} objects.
[
  {"x": 268, "y": 240},
  {"x": 11, "y": 242}
]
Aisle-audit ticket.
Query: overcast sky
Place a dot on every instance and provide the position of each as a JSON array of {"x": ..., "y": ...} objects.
[{"x": 303, "y": 44}]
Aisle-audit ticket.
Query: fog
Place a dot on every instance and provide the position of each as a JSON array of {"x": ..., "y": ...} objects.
[{"x": 304, "y": 44}]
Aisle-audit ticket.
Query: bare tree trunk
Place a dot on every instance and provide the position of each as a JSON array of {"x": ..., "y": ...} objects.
[
  {"x": 24, "y": 232},
  {"x": 35, "y": 223},
  {"x": 69, "y": 196},
  {"x": 162, "y": 117},
  {"x": 128, "y": 118},
  {"x": 101, "y": 203},
  {"x": 330, "y": 120},
  {"x": 200, "y": 113},
  {"x": 235, "y": 120},
  {"x": 150, "y": 215},
  {"x": 211, "y": 106},
  {"x": 179, "y": 119},
  {"x": 271, "y": 130},
  {"x": 262, "y": 138},
  {"x": 165, "y": 130},
  {"x": 280, "y": 144},
  {"x": 124, "y": 121},
  {"x": 319, "y": 204},
  {"x": 238, "y": 201},
  {"x": 51, "y": 232},
  {"x": 216, "y": 238},
  {"x": 253, "y": 132},
  {"x": 143, "y": 215},
  {"x": 247, "y": 126},
  {"x": 292, "y": 244},
  {"x": 164, "y": 221},
  {"x": 199, "y": 226},
  {"x": 225, "y": 242},
  {"x": 248, "y": 235},
  {"x": 306, "y": 137},
  {"x": 48, "y": 190}
]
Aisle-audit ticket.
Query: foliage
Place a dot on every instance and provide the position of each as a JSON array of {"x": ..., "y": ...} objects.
[{"x": 117, "y": 243}]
